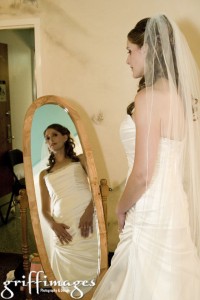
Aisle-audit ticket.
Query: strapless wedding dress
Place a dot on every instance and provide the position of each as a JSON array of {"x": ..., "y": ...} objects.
[
  {"x": 155, "y": 258},
  {"x": 70, "y": 195}
]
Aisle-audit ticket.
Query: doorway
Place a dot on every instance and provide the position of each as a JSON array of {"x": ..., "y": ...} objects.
[
  {"x": 5, "y": 121},
  {"x": 21, "y": 38}
]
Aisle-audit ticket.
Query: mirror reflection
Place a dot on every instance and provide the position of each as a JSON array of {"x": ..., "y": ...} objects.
[{"x": 64, "y": 199}]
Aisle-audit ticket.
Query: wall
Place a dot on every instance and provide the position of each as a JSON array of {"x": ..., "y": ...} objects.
[{"x": 83, "y": 58}]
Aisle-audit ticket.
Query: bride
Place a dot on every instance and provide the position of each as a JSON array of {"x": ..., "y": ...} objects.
[
  {"x": 158, "y": 214},
  {"x": 67, "y": 207}
]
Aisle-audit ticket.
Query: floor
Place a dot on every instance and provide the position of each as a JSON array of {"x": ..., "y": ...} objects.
[
  {"x": 8, "y": 262},
  {"x": 11, "y": 257}
]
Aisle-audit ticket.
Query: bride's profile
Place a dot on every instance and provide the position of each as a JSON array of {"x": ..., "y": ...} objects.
[{"x": 158, "y": 255}]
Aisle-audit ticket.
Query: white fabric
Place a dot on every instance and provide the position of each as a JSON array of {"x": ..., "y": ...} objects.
[
  {"x": 70, "y": 195},
  {"x": 155, "y": 258}
]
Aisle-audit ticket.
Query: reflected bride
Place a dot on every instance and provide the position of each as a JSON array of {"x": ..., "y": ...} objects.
[{"x": 67, "y": 207}]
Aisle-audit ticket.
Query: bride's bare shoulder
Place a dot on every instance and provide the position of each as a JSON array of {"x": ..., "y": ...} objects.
[
  {"x": 151, "y": 102},
  {"x": 43, "y": 173}
]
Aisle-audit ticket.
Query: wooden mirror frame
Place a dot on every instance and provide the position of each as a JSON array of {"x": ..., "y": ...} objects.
[{"x": 92, "y": 174}]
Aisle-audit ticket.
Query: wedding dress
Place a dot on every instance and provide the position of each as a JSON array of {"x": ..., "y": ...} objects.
[
  {"x": 70, "y": 195},
  {"x": 155, "y": 258}
]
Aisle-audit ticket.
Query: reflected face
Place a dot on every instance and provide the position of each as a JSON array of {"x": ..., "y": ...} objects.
[
  {"x": 135, "y": 59},
  {"x": 55, "y": 140}
]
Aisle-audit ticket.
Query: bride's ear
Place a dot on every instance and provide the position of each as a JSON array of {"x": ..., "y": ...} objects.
[
  {"x": 144, "y": 49},
  {"x": 66, "y": 137}
]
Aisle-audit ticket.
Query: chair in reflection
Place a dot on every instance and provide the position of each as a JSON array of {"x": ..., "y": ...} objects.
[{"x": 15, "y": 163}]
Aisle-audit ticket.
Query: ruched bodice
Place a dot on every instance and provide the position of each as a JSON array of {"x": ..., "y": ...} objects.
[
  {"x": 168, "y": 149},
  {"x": 69, "y": 192}
]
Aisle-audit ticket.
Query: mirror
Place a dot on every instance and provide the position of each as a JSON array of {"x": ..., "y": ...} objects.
[{"x": 81, "y": 263}]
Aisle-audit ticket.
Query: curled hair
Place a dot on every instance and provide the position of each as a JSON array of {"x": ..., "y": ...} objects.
[{"x": 69, "y": 145}]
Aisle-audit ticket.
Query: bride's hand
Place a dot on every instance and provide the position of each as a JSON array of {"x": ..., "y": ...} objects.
[
  {"x": 60, "y": 230},
  {"x": 86, "y": 222}
]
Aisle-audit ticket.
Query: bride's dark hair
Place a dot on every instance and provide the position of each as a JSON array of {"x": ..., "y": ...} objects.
[
  {"x": 69, "y": 145},
  {"x": 136, "y": 36}
]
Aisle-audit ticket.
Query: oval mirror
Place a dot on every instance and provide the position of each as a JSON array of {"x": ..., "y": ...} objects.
[{"x": 73, "y": 268}]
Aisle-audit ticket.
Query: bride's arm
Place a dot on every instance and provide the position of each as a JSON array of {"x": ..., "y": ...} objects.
[
  {"x": 60, "y": 229},
  {"x": 86, "y": 220},
  {"x": 146, "y": 149}
]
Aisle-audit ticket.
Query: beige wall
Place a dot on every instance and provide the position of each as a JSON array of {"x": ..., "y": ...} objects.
[{"x": 83, "y": 59}]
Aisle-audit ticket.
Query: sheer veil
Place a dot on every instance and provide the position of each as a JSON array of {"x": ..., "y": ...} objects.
[
  {"x": 166, "y": 230},
  {"x": 170, "y": 67}
]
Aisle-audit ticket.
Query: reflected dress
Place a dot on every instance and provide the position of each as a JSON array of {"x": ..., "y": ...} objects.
[
  {"x": 155, "y": 258},
  {"x": 70, "y": 195}
]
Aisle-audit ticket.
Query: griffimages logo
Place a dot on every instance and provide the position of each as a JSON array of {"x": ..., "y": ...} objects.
[{"x": 74, "y": 288}]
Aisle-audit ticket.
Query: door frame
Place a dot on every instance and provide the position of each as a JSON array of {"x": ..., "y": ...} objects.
[{"x": 25, "y": 24}]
